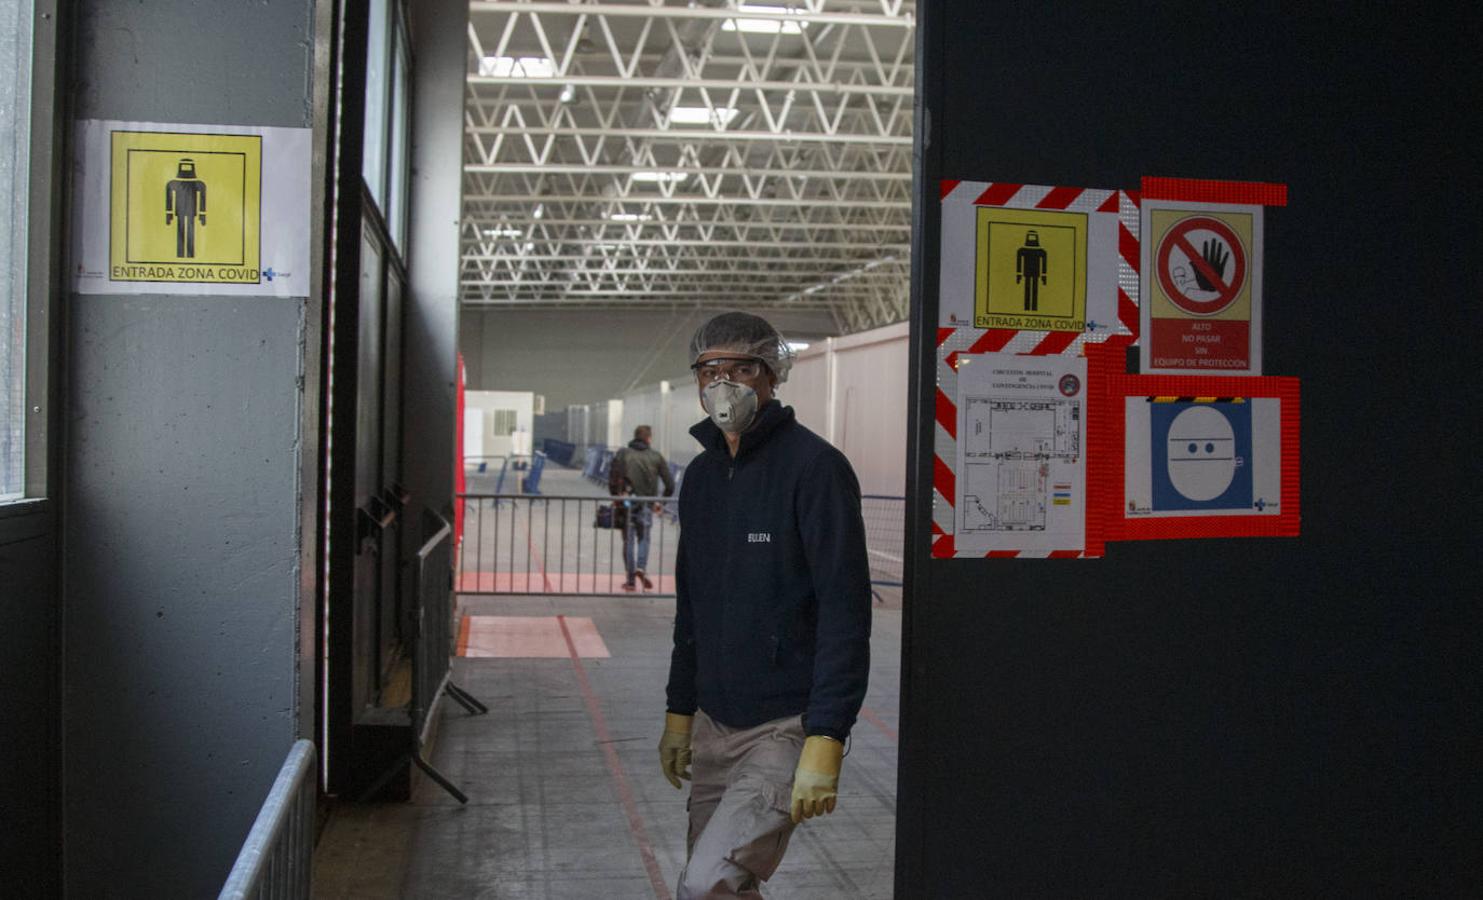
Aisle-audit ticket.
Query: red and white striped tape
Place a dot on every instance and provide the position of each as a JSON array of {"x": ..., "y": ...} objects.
[{"x": 954, "y": 340}]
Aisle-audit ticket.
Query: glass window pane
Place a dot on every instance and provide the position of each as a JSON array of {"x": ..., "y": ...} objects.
[
  {"x": 400, "y": 164},
  {"x": 373, "y": 167},
  {"x": 15, "y": 140}
]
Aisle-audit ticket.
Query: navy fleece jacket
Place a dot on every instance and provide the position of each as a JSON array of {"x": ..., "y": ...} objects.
[{"x": 772, "y": 616}]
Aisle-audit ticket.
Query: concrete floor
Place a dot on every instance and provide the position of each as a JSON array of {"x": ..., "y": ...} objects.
[
  {"x": 565, "y": 795},
  {"x": 566, "y": 799}
]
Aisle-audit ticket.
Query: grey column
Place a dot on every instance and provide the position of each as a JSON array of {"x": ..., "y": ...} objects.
[
  {"x": 182, "y": 514},
  {"x": 439, "y": 34}
]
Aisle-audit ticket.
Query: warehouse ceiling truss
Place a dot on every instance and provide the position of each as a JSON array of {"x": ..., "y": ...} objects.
[{"x": 682, "y": 153}]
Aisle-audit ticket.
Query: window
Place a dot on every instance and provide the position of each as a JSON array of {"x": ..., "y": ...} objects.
[
  {"x": 504, "y": 422},
  {"x": 373, "y": 165},
  {"x": 396, "y": 214},
  {"x": 15, "y": 142},
  {"x": 385, "y": 142}
]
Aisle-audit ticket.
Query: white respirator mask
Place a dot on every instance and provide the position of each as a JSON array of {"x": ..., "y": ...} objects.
[{"x": 730, "y": 405}]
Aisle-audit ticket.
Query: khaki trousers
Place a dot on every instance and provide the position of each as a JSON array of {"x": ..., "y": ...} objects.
[{"x": 740, "y": 797}]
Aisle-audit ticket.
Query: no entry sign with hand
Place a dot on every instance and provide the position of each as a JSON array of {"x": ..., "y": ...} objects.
[
  {"x": 1201, "y": 283},
  {"x": 1201, "y": 265}
]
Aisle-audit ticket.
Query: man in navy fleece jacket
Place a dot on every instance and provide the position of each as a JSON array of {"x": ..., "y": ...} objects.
[{"x": 772, "y": 621}]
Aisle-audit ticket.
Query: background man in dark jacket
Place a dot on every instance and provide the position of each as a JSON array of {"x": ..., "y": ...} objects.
[
  {"x": 637, "y": 471},
  {"x": 772, "y": 618}
]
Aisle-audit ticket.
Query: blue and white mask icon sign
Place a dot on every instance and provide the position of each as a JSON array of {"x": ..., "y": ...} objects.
[{"x": 1201, "y": 455}]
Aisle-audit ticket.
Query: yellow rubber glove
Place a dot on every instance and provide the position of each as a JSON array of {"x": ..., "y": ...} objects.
[
  {"x": 816, "y": 783},
  {"x": 674, "y": 747}
]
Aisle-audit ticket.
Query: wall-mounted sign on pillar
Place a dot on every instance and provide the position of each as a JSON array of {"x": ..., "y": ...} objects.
[
  {"x": 1202, "y": 275},
  {"x": 1031, "y": 275},
  {"x": 191, "y": 209}
]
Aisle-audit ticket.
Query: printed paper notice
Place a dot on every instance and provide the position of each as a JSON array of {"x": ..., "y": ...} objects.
[
  {"x": 191, "y": 209},
  {"x": 1021, "y": 482},
  {"x": 1202, "y": 288}
]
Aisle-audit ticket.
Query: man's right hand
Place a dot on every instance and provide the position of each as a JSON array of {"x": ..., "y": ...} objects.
[{"x": 674, "y": 748}]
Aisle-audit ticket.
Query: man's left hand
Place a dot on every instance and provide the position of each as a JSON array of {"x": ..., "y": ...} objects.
[{"x": 816, "y": 783}]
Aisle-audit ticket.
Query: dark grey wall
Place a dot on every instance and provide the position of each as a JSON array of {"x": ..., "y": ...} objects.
[
  {"x": 1223, "y": 717},
  {"x": 30, "y": 844},
  {"x": 182, "y": 493},
  {"x": 439, "y": 37}
]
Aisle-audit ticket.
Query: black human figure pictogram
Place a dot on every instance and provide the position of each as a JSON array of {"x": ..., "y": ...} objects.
[
  {"x": 185, "y": 202},
  {"x": 1030, "y": 266}
]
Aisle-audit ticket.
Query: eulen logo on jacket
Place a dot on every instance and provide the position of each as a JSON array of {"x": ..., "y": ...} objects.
[{"x": 759, "y": 537}]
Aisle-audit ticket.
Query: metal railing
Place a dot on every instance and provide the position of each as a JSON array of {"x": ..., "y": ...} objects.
[
  {"x": 517, "y": 544},
  {"x": 431, "y": 669},
  {"x": 885, "y": 538},
  {"x": 432, "y": 649},
  {"x": 515, "y": 469},
  {"x": 559, "y": 545},
  {"x": 277, "y": 859}
]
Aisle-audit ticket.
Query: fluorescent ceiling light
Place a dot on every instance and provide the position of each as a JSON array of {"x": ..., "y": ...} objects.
[
  {"x": 798, "y": 346},
  {"x": 764, "y": 26},
  {"x": 628, "y": 217},
  {"x": 539, "y": 211},
  {"x": 659, "y": 176},
  {"x": 699, "y": 115},
  {"x": 502, "y": 232},
  {"x": 510, "y": 66}
]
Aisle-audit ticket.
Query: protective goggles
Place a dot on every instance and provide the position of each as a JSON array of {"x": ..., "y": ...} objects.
[{"x": 729, "y": 368}]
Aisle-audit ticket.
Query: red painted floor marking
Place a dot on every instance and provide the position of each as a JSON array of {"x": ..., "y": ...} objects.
[
  {"x": 557, "y": 583},
  {"x": 531, "y": 637},
  {"x": 615, "y": 768},
  {"x": 463, "y": 636},
  {"x": 882, "y": 727}
]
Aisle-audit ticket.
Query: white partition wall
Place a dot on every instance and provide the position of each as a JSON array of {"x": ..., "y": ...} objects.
[
  {"x": 869, "y": 406},
  {"x": 615, "y": 424},
  {"x": 670, "y": 408},
  {"x": 849, "y": 390},
  {"x": 852, "y": 391},
  {"x": 505, "y": 421},
  {"x": 807, "y": 388},
  {"x": 647, "y": 406},
  {"x": 578, "y": 426},
  {"x": 605, "y": 423}
]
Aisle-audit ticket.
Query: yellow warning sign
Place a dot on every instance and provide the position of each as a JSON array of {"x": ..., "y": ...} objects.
[
  {"x": 185, "y": 207},
  {"x": 1031, "y": 269}
]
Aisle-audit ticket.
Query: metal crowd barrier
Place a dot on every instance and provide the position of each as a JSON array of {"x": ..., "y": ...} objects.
[
  {"x": 559, "y": 452},
  {"x": 277, "y": 859},
  {"x": 885, "y": 538},
  {"x": 515, "y": 544},
  {"x": 432, "y": 648},
  {"x": 557, "y": 545},
  {"x": 598, "y": 461}
]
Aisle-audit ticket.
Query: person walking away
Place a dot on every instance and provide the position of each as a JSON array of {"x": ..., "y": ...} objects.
[
  {"x": 772, "y": 617},
  {"x": 636, "y": 471}
]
